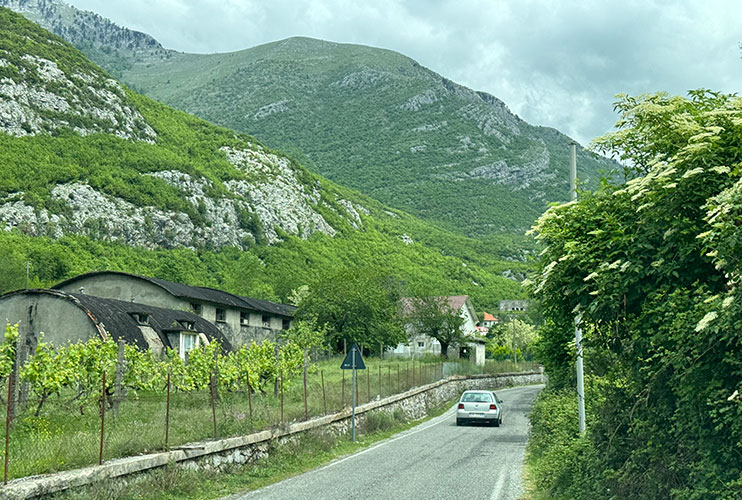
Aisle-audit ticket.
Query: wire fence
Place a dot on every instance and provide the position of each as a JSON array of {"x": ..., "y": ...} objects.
[{"x": 64, "y": 431}]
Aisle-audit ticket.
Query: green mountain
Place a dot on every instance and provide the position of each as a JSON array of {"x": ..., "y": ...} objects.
[
  {"x": 367, "y": 118},
  {"x": 95, "y": 176}
]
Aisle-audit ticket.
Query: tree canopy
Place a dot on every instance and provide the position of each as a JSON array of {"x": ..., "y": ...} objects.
[
  {"x": 653, "y": 266},
  {"x": 359, "y": 304},
  {"x": 434, "y": 317}
]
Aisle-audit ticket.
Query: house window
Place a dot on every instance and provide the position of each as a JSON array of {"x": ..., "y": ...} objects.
[
  {"x": 421, "y": 344},
  {"x": 221, "y": 315},
  {"x": 188, "y": 342},
  {"x": 266, "y": 321},
  {"x": 244, "y": 317},
  {"x": 286, "y": 324},
  {"x": 141, "y": 318},
  {"x": 197, "y": 308}
]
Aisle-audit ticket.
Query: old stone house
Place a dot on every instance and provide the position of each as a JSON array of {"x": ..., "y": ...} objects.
[
  {"x": 240, "y": 319},
  {"x": 420, "y": 344},
  {"x": 513, "y": 305},
  {"x": 63, "y": 318}
]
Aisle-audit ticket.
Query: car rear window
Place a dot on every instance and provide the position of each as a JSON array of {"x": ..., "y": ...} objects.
[{"x": 477, "y": 397}]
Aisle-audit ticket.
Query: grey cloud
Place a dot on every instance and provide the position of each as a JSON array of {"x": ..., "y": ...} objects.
[{"x": 556, "y": 63}]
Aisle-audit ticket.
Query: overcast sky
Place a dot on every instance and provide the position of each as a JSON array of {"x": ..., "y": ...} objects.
[{"x": 554, "y": 63}]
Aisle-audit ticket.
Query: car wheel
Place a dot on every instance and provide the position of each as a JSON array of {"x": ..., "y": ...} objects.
[
  {"x": 459, "y": 422},
  {"x": 496, "y": 423}
]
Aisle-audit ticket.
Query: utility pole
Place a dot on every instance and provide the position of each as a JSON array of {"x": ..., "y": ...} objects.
[
  {"x": 515, "y": 352},
  {"x": 578, "y": 318}
]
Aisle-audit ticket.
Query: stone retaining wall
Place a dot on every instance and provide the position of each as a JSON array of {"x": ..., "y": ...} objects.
[{"x": 414, "y": 404}]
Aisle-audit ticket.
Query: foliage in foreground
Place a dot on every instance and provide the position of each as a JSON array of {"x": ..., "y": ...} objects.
[
  {"x": 653, "y": 267},
  {"x": 80, "y": 367}
]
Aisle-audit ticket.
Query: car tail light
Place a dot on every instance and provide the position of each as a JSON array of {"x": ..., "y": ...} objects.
[
  {"x": 461, "y": 406},
  {"x": 492, "y": 406}
]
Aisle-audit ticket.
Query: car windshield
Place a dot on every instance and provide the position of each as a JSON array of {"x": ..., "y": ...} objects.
[{"x": 477, "y": 397}]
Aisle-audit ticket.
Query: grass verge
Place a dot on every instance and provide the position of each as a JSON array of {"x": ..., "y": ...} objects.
[{"x": 311, "y": 450}]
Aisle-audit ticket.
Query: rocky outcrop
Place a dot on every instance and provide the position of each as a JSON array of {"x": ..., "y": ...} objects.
[
  {"x": 39, "y": 97},
  {"x": 362, "y": 79},
  {"x": 416, "y": 102},
  {"x": 278, "y": 197},
  {"x": 272, "y": 108},
  {"x": 532, "y": 170}
]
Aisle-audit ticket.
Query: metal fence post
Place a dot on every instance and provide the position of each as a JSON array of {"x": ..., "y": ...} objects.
[
  {"x": 306, "y": 363},
  {"x": 379, "y": 380}
]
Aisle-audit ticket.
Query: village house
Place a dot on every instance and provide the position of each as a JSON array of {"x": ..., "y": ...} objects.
[
  {"x": 488, "y": 320},
  {"x": 240, "y": 319},
  {"x": 419, "y": 344}
]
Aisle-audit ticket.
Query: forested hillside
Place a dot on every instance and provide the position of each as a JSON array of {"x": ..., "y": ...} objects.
[
  {"x": 370, "y": 119},
  {"x": 94, "y": 176},
  {"x": 653, "y": 268}
]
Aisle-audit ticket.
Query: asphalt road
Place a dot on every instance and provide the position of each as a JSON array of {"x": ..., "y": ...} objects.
[{"x": 434, "y": 460}]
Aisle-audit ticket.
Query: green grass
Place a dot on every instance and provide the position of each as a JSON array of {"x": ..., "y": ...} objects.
[
  {"x": 66, "y": 434},
  {"x": 312, "y": 450}
]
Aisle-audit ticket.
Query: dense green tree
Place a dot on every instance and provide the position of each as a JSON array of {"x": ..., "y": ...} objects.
[
  {"x": 652, "y": 267},
  {"x": 433, "y": 316},
  {"x": 356, "y": 305}
]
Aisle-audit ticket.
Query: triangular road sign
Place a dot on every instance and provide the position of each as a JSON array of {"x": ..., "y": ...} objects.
[{"x": 348, "y": 361}]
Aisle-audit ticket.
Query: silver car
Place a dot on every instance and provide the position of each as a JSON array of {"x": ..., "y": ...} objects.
[{"x": 479, "y": 406}]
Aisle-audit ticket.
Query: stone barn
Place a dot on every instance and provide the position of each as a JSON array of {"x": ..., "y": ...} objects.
[
  {"x": 65, "y": 318},
  {"x": 240, "y": 319}
]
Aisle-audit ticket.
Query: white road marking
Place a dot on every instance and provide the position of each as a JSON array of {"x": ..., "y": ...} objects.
[
  {"x": 439, "y": 419},
  {"x": 497, "y": 491}
]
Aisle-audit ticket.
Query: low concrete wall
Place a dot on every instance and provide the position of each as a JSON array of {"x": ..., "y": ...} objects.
[{"x": 414, "y": 404}]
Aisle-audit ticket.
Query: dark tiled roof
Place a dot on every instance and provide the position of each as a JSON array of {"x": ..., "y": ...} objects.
[
  {"x": 273, "y": 307},
  {"x": 116, "y": 317},
  {"x": 201, "y": 294}
]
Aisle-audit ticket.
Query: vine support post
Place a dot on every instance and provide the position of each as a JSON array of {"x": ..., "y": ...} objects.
[
  {"x": 324, "y": 396},
  {"x": 119, "y": 380},
  {"x": 167, "y": 413},
  {"x": 8, "y": 418},
  {"x": 213, "y": 390},
  {"x": 249, "y": 397},
  {"x": 281, "y": 384},
  {"x": 102, "y": 416}
]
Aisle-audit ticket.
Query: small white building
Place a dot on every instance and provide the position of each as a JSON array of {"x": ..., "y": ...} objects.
[{"x": 489, "y": 320}]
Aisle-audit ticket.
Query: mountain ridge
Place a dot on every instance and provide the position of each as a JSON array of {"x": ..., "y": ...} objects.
[
  {"x": 186, "y": 200},
  {"x": 376, "y": 121}
]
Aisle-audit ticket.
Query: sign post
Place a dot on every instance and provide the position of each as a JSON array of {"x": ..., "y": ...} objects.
[{"x": 353, "y": 361}]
